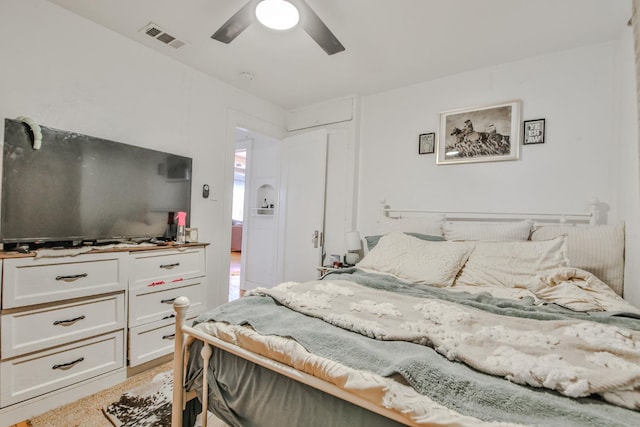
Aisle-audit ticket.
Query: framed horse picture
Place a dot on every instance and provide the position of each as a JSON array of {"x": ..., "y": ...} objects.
[{"x": 488, "y": 133}]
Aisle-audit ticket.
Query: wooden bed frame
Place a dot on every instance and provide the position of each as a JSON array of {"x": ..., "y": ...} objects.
[{"x": 181, "y": 305}]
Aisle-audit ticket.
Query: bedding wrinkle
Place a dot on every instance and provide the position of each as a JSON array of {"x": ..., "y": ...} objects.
[
  {"x": 598, "y": 249},
  {"x": 553, "y": 354},
  {"x": 578, "y": 290}
]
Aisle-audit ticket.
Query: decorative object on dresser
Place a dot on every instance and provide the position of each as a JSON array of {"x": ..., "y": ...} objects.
[
  {"x": 486, "y": 133},
  {"x": 426, "y": 143},
  {"x": 534, "y": 132}
]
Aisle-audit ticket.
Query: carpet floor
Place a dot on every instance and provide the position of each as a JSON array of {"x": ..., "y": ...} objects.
[{"x": 87, "y": 412}]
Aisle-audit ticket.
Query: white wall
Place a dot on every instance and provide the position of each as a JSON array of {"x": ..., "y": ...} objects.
[
  {"x": 576, "y": 91},
  {"x": 628, "y": 163},
  {"x": 69, "y": 73}
]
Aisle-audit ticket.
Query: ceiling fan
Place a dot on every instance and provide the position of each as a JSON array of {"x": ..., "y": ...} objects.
[{"x": 309, "y": 21}]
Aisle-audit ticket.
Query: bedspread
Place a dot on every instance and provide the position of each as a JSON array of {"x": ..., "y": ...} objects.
[
  {"x": 452, "y": 385},
  {"x": 573, "y": 357}
]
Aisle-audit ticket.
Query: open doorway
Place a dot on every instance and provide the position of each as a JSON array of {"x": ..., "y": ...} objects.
[{"x": 254, "y": 212}]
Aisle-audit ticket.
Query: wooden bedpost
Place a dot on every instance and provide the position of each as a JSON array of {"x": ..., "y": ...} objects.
[{"x": 180, "y": 306}]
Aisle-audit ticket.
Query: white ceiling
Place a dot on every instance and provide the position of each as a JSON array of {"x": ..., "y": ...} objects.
[{"x": 389, "y": 43}]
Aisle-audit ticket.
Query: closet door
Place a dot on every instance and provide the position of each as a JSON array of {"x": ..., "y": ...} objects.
[{"x": 302, "y": 200}]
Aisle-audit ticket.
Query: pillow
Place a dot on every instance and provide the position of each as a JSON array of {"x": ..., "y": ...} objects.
[
  {"x": 512, "y": 264},
  {"x": 415, "y": 260},
  {"x": 426, "y": 224},
  {"x": 372, "y": 241},
  {"x": 597, "y": 249},
  {"x": 505, "y": 231}
]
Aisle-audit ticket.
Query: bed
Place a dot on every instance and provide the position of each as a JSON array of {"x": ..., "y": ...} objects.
[{"x": 443, "y": 322}]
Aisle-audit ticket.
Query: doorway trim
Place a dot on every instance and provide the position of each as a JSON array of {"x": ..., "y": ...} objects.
[{"x": 235, "y": 119}]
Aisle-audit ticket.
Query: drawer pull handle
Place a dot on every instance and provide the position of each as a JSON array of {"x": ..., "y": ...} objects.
[
  {"x": 72, "y": 277},
  {"x": 169, "y": 337},
  {"x": 168, "y": 301},
  {"x": 68, "y": 322},
  {"x": 180, "y": 279},
  {"x": 169, "y": 266},
  {"x": 67, "y": 365},
  {"x": 171, "y": 316}
]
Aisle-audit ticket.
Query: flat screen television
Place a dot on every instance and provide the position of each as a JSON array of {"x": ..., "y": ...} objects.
[{"x": 78, "y": 188}]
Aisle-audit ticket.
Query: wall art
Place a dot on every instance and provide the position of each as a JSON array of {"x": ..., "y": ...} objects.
[{"x": 486, "y": 133}]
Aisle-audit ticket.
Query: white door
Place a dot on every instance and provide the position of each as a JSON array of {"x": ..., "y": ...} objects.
[{"x": 302, "y": 199}]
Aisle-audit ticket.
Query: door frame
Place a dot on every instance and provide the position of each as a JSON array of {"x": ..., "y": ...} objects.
[
  {"x": 235, "y": 119},
  {"x": 246, "y": 145}
]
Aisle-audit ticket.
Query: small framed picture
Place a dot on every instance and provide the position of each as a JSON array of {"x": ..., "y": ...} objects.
[
  {"x": 533, "y": 132},
  {"x": 426, "y": 143}
]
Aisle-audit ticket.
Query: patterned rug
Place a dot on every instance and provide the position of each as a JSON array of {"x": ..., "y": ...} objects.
[{"x": 146, "y": 406}]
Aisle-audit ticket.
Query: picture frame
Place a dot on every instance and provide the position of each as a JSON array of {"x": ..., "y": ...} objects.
[
  {"x": 487, "y": 133},
  {"x": 533, "y": 132},
  {"x": 427, "y": 143}
]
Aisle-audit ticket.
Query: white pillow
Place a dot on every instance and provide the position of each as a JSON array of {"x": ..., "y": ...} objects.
[
  {"x": 430, "y": 224},
  {"x": 504, "y": 231},
  {"x": 415, "y": 260},
  {"x": 598, "y": 249},
  {"x": 511, "y": 264}
]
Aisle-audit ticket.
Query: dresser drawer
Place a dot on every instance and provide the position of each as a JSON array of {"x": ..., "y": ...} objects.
[
  {"x": 28, "y": 281},
  {"x": 42, "y": 327},
  {"x": 149, "y": 305},
  {"x": 160, "y": 268},
  {"x": 148, "y": 342},
  {"x": 38, "y": 373}
]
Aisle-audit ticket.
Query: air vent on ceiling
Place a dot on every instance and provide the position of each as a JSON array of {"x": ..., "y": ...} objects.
[{"x": 155, "y": 31}]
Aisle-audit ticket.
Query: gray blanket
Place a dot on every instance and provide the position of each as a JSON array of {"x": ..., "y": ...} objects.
[{"x": 452, "y": 384}]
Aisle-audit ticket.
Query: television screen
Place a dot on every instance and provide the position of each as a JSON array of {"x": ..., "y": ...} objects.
[{"x": 81, "y": 188}]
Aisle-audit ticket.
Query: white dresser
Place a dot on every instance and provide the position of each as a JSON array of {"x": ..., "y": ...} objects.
[
  {"x": 156, "y": 279},
  {"x": 70, "y": 325}
]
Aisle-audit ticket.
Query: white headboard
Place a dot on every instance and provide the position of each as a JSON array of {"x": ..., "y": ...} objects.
[
  {"x": 591, "y": 217},
  {"x": 591, "y": 246}
]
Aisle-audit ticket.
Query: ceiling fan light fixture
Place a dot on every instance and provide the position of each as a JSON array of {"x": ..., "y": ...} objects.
[{"x": 277, "y": 14}]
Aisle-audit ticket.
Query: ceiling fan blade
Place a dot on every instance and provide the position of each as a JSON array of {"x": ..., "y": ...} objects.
[
  {"x": 318, "y": 31},
  {"x": 236, "y": 24}
]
